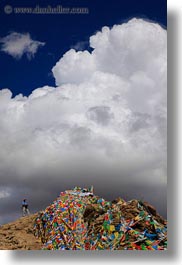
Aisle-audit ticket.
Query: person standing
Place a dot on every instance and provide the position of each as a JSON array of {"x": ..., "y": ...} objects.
[{"x": 25, "y": 210}]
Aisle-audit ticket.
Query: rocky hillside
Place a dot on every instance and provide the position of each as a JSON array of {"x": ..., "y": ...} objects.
[
  {"x": 80, "y": 220},
  {"x": 19, "y": 235}
]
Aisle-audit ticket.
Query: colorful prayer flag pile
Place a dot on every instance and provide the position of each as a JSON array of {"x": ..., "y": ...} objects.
[{"x": 79, "y": 220}]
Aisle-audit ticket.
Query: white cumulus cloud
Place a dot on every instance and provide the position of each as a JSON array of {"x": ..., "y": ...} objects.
[
  {"x": 17, "y": 44},
  {"x": 104, "y": 123}
]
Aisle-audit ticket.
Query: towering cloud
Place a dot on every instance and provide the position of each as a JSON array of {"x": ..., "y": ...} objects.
[{"x": 104, "y": 123}]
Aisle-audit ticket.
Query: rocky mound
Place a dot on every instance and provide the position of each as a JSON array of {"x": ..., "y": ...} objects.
[{"x": 79, "y": 220}]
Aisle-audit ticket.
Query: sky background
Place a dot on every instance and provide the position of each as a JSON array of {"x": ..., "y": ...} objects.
[{"x": 81, "y": 118}]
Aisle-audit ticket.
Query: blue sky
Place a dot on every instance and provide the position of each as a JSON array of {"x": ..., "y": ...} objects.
[{"x": 60, "y": 33}]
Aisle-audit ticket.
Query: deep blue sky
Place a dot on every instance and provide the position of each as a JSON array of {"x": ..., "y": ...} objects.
[{"x": 61, "y": 32}]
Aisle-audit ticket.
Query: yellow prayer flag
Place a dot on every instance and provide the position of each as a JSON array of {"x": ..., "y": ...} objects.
[{"x": 112, "y": 228}]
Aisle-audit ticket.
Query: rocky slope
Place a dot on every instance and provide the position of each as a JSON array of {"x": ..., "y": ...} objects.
[{"x": 19, "y": 235}]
